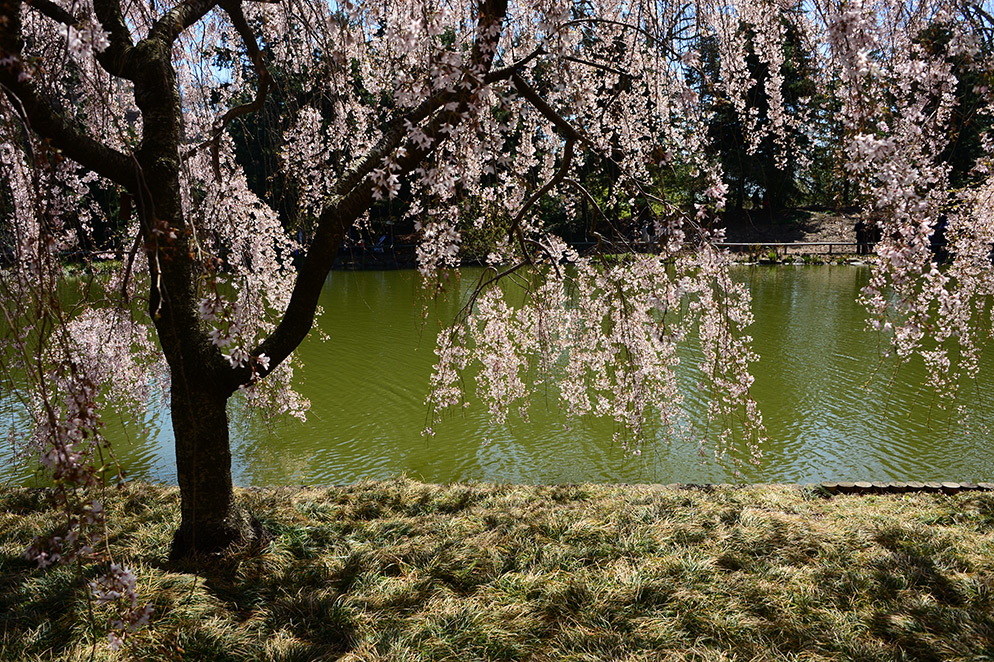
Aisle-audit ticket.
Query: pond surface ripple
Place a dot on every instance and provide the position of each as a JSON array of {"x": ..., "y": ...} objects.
[{"x": 834, "y": 407}]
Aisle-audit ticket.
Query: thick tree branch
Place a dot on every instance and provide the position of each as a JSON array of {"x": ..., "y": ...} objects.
[
  {"x": 505, "y": 72},
  {"x": 114, "y": 59},
  {"x": 38, "y": 114},
  {"x": 179, "y": 18},
  {"x": 53, "y": 11},
  {"x": 541, "y": 105},
  {"x": 332, "y": 226},
  {"x": 354, "y": 200},
  {"x": 184, "y": 15},
  {"x": 233, "y": 8}
]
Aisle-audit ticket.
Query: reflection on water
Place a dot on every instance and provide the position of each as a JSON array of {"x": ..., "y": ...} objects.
[{"x": 834, "y": 408}]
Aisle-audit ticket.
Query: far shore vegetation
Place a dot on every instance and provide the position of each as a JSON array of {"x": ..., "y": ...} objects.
[{"x": 401, "y": 570}]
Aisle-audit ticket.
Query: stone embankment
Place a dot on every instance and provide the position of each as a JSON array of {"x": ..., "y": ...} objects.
[{"x": 866, "y": 487}]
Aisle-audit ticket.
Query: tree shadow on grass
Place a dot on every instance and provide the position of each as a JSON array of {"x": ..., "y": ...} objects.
[
  {"x": 918, "y": 601},
  {"x": 32, "y": 604},
  {"x": 537, "y": 578},
  {"x": 295, "y": 603}
]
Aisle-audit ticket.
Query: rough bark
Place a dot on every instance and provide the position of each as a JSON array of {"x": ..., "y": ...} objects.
[{"x": 212, "y": 519}]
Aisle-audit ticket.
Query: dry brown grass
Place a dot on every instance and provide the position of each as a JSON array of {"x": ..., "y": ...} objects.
[{"x": 401, "y": 570}]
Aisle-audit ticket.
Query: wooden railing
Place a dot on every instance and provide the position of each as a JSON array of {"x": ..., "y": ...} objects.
[{"x": 785, "y": 247}]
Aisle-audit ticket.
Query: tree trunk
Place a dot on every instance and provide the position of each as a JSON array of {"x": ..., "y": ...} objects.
[{"x": 212, "y": 520}]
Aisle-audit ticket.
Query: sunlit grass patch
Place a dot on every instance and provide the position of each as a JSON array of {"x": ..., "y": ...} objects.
[{"x": 400, "y": 570}]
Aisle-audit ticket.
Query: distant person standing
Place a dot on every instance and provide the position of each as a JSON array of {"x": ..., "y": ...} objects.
[
  {"x": 938, "y": 243},
  {"x": 862, "y": 247},
  {"x": 874, "y": 234}
]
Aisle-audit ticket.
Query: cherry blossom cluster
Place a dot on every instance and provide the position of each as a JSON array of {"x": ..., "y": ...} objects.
[
  {"x": 117, "y": 589},
  {"x": 248, "y": 275},
  {"x": 85, "y": 38},
  {"x": 70, "y": 342},
  {"x": 606, "y": 338},
  {"x": 898, "y": 101},
  {"x": 87, "y": 358}
]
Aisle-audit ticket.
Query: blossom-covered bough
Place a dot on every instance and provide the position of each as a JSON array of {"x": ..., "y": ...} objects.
[{"x": 117, "y": 112}]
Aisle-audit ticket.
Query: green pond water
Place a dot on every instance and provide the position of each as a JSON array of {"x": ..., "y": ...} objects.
[{"x": 834, "y": 407}]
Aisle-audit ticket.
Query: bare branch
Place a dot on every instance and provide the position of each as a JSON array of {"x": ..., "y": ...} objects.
[
  {"x": 660, "y": 39},
  {"x": 541, "y": 105},
  {"x": 482, "y": 284},
  {"x": 537, "y": 195},
  {"x": 583, "y": 190},
  {"x": 505, "y": 72},
  {"x": 596, "y": 65},
  {"x": 234, "y": 10},
  {"x": 556, "y": 179},
  {"x": 53, "y": 11}
]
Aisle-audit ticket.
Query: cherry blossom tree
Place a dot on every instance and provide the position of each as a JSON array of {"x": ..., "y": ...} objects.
[{"x": 488, "y": 106}]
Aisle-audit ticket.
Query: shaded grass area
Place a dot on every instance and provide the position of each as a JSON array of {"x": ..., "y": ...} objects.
[{"x": 402, "y": 570}]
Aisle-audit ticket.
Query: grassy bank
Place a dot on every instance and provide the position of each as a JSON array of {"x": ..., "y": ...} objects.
[{"x": 406, "y": 571}]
